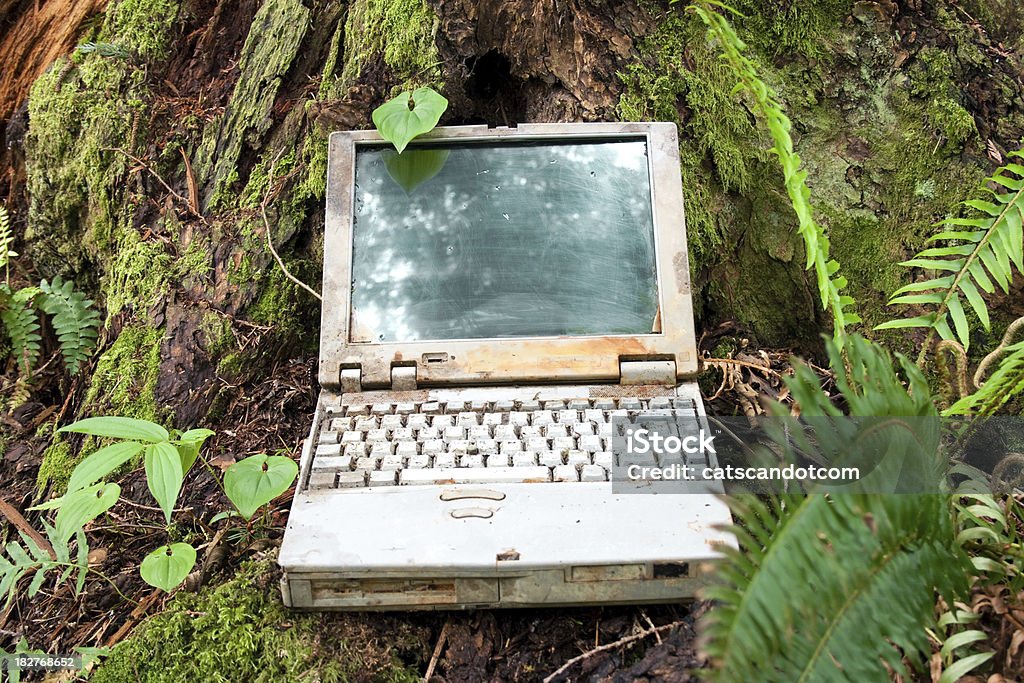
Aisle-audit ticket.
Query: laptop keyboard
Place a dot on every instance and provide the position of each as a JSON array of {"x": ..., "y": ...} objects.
[{"x": 480, "y": 442}]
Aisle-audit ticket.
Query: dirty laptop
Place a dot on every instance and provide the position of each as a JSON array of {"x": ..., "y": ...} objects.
[{"x": 497, "y": 301}]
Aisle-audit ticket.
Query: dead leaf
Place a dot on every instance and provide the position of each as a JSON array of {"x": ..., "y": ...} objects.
[{"x": 97, "y": 556}]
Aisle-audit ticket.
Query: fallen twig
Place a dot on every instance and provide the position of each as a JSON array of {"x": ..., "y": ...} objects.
[
  {"x": 188, "y": 205},
  {"x": 19, "y": 521},
  {"x": 442, "y": 638},
  {"x": 610, "y": 646},
  {"x": 270, "y": 240}
]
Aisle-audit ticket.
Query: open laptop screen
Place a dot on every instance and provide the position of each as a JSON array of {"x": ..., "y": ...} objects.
[{"x": 503, "y": 240}]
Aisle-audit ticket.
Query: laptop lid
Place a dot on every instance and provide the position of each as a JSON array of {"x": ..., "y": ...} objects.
[{"x": 543, "y": 253}]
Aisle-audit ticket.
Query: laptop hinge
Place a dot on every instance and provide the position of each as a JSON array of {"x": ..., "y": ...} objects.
[
  {"x": 647, "y": 372},
  {"x": 351, "y": 380},
  {"x": 403, "y": 378}
]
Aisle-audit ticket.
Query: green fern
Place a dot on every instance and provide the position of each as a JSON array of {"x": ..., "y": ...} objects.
[
  {"x": 768, "y": 106},
  {"x": 976, "y": 257},
  {"x": 19, "y": 318},
  {"x": 6, "y": 238},
  {"x": 1006, "y": 382},
  {"x": 22, "y": 561},
  {"x": 801, "y": 599},
  {"x": 74, "y": 320}
]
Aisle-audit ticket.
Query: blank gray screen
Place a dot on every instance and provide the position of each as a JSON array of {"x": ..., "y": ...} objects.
[{"x": 499, "y": 240}]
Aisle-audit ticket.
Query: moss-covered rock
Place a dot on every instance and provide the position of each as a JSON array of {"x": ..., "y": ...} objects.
[{"x": 239, "y": 631}]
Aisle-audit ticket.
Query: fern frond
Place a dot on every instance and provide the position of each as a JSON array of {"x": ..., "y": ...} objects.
[
  {"x": 816, "y": 243},
  {"x": 6, "y": 238},
  {"x": 1005, "y": 383},
  {"x": 802, "y": 597},
  {"x": 74, "y": 320},
  {"x": 973, "y": 255},
  {"x": 19, "y": 318}
]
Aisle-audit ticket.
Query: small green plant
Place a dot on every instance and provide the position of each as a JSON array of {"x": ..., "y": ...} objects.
[
  {"x": 976, "y": 256},
  {"x": 108, "y": 50},
  {"x": 73, "y": 317},
  {"x": 409, "y": 115},
  {"x": 250, "y": 483}
]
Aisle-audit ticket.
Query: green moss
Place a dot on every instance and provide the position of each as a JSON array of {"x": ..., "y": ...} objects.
[
  {"x": 239, "y": 631},
  {"x": 143, "y": 27},
  {"x": 126, "y": 374},
  {"x": 58, "y": 462},
  {"x": 953, "y": 123},
  {"x": 402, "y": 31},
  {"x": 269, "y": 50},
  {"x": 781, "y": 27},
  {"x": 678, "y": 69}
]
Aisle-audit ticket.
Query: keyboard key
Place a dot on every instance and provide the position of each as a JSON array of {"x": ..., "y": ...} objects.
[
  {"x": 341, "y": 424},
  {"x": 430, "y": 408},
  {"x": 493, "y": 419},
  {"x": 591, "y": 444},
  {"x": 357, "y": 409},
  {"x": 442, "y": 421},
  {"x": 444, "y": 460},
  {"x": 365, "y": 424},
  {"x": 554, "y": 405},
  {"x": 328, "y": 449},
  {"x": 504, "y": 406},
  {"x": 480, "y": 406},
  {"x": 455, "y": 407},
  {"x": 566, "y": 473},
  {"x": 524, "y": 459},
  {"x": 630, "y": 404},
  {"x": 454, "y": 433},
  {"x": 479, "y": 432},
  {"x": 355, "y": 450},
  {"x": 418, "y": 461},
  {"x": 487, "y": 446},
  {"x": 405, "y": 408},
  {"x": 579, "y": 404},
  {"x": 553, "y": 430},
  {"x": 380, "y": 408},
  {"x": 366, "y": 463},
  {"x": 593, "y": 473},
  {"x": 549, "y": 458},
  {"x": 403, "y": 434},
  {"x": 604, "y": 459},
  {"x": 563, "y": 443},
  {"x": 322, "y": 479},
  {"x": 460, "y": 446},
  {"x": 529, "y": 406},
  {"x": 334, "y": 463},
  {"x": 542, "y": 417},
  {"x": 529, "y": 431},
  {"x": 432, "y": 447},
  {"x": 660, "y": 403},
  {"x": 327, "y": 436},
  {"x": 568, "y": 416},
  {"x": 377, "y": 436},
  {"x": 382, "y": 448},
  {"x": 577, "y": 458},
  {"x": 482, "y": 475},
  {"x": 505, "y": 433},
  {"x": 382, "y": 478},
  {"x": 583, "y": 429},
  {"x": 417, "y": 421},
  {"x": 595, "y": 416},
  {"x": 391, "y": 463},
  {"x": 431, "y": 433},
  {"x": 405, "y": 448},
  {"x": 391, "y": 422},
  {"x": 510, "y": 447},
  {"x": 604, "y": 404},
  {"x": 537, "y": 443},
  {"x": 350, "y": 480},
  {"x": 519, "y": 419},
  {"x": 497, "y": 461},
  {"x": 472, "y": 460},
  {"x": 467, "y": 419}
]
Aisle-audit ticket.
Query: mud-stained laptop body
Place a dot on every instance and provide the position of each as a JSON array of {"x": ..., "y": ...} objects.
[{"x": 493, "y": 299}]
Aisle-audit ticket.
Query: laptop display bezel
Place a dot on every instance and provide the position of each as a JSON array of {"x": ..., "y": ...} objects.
[{"x": 521, "y": 359}]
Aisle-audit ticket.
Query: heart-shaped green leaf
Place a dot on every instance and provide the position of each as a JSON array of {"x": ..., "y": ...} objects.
[
  {"x": 257, "y": 480},
  {"x": 164, "y": 475},
  {"x": 119, "y": 428},
  {"x": 408, "y": 115},
  {"x": 167, "y": 566},
  {"x": 415, "y": 166},
  {"x": 101, "y": 463}
]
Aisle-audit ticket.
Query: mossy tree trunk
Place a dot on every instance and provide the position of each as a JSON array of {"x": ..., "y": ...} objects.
[{"x": 141, "y": 175}]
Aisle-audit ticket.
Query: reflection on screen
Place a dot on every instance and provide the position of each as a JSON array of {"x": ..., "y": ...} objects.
[{"x": 474, "y": 241}]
